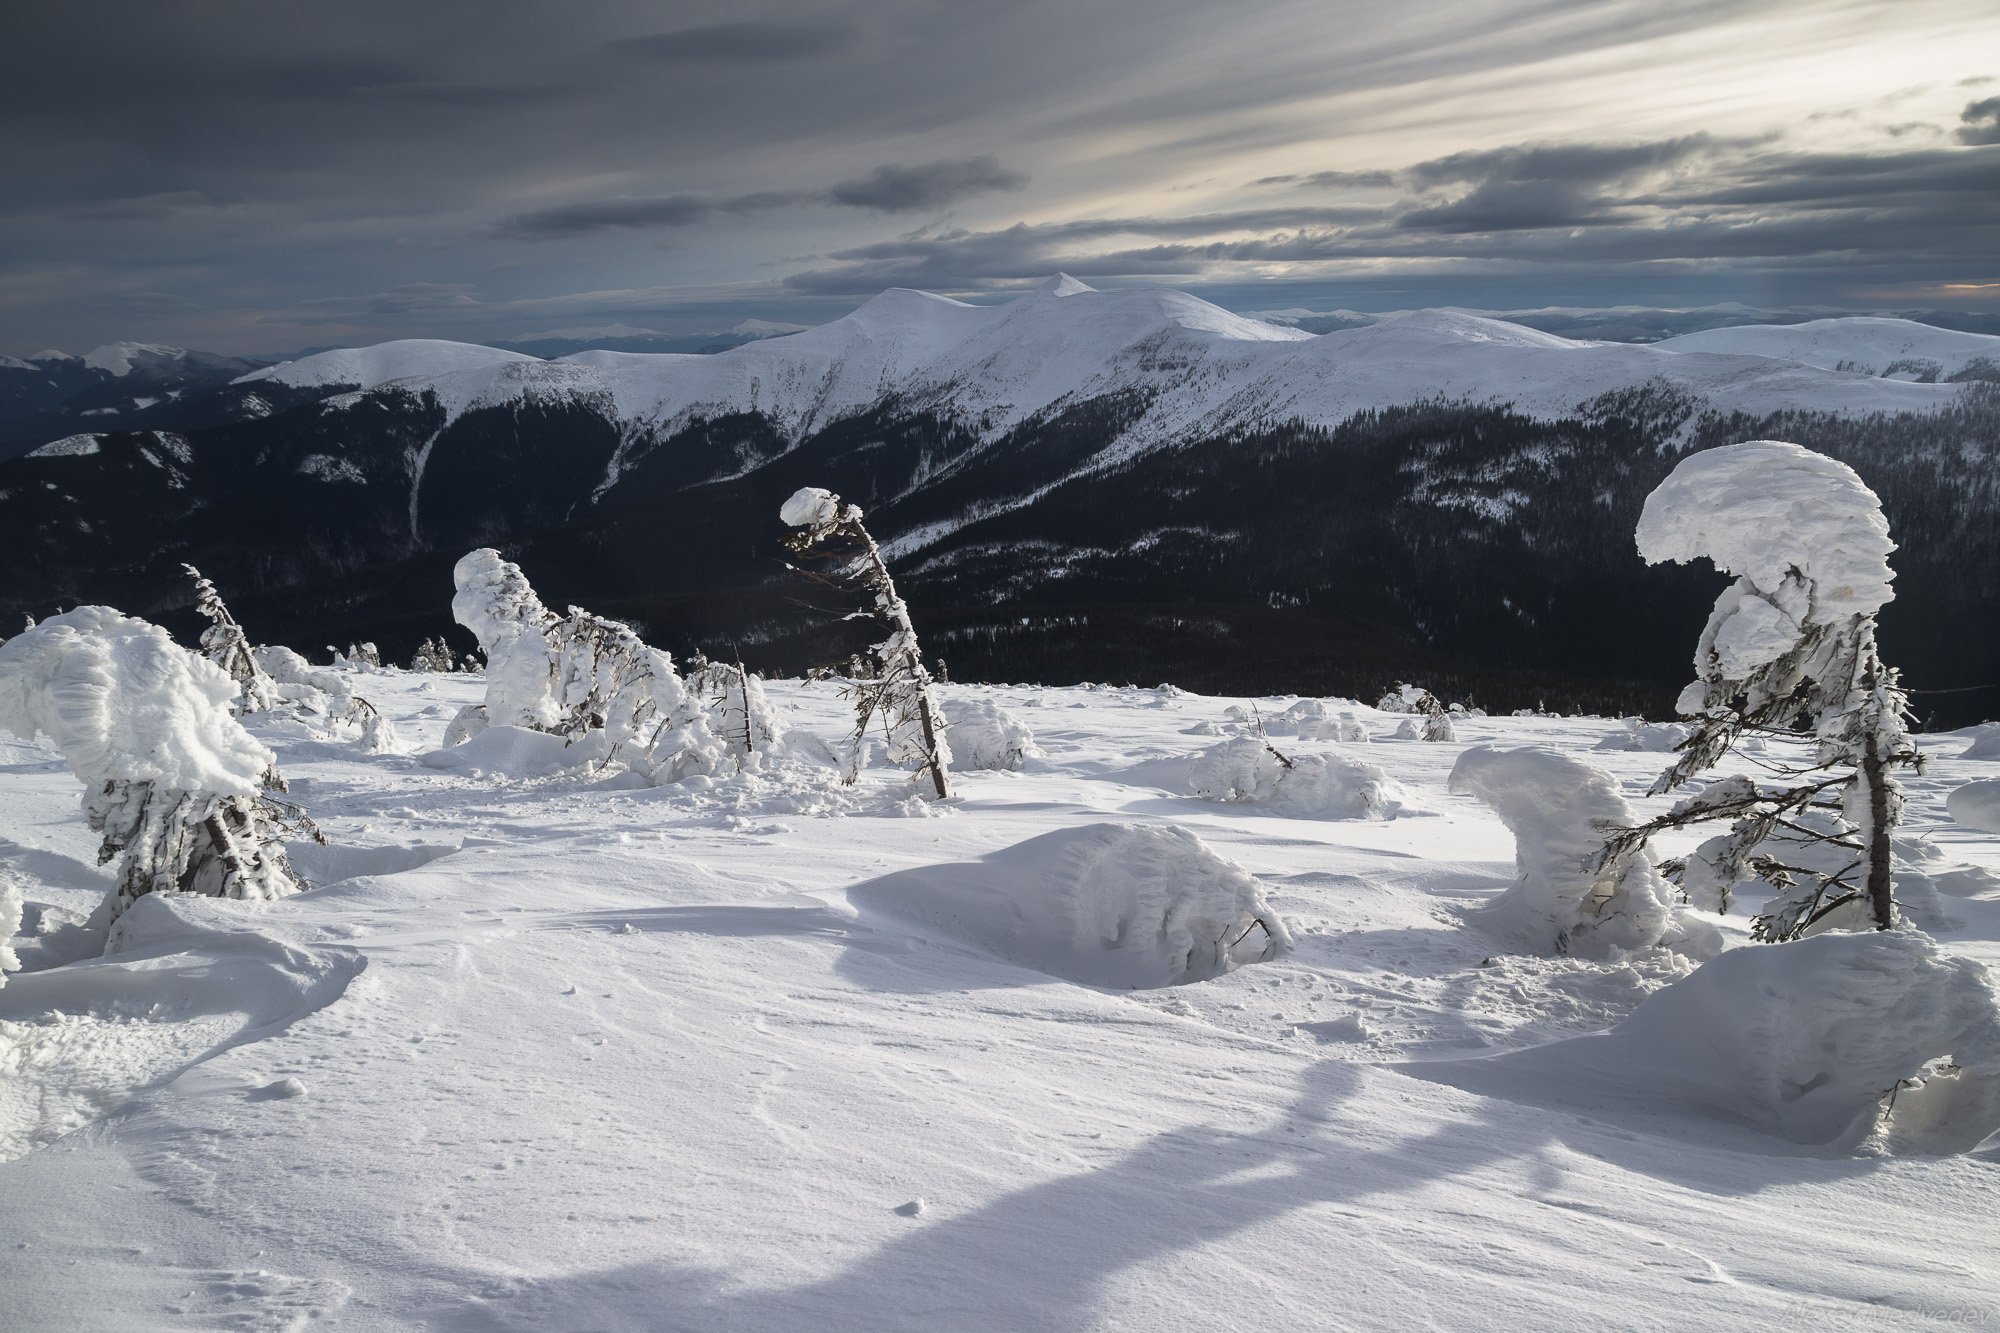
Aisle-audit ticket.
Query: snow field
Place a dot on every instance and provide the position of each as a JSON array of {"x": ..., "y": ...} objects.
[{"x": 545, "y": 1052}]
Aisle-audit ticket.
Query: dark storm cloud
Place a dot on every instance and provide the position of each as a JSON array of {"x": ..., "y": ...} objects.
[
  {"x": 744, "y": 43},
  {"x": 1981, "y": 122},
  {"x": 887, "y": 189},
  {"x": 1925, "y": 211},
  {"x": 675, "y": 210},
  {"x": 932, "y": 185},
  {"x": 257, "y": 163}
]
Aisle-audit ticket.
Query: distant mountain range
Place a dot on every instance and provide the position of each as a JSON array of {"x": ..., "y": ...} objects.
[{"x": 1074, "y": 484}]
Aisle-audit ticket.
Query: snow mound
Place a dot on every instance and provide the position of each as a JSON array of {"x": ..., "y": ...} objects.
[
  {"x": 176, "y": 987},
  {"x": 1985, "y": 742},
  {"x": 1761, "y": 511},
  {"x": 1244, "y": 770},
  {"x": 1646, "y": 737},
  {"x": 1123, "y": 906},
  {"x": 367, "y": 368},
  {"x": 1798, "y": 1040},
  {"x": 1560, "y": 811},
  {"x": 1316, "y": 720},
  {"x": 508, "y": 752},
  {"x": 124, "y": 702},
  {"x": 985, "y": 735},
  {"x": 1976, "y": 805}
]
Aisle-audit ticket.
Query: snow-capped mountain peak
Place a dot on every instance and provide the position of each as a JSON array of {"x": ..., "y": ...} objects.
[
  {"x": 1061, "y": 284},
  {"x": 120, "y": 358},
  {"x": 367, "y": 368}
]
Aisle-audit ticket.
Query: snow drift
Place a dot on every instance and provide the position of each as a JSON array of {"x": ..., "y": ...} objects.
[
  {"x": 180, "y": 983},
  {"x": 1976, "y": 805},
  {"x": 1124, "y": 906},
  {"x": 1803, "y": 1041}
]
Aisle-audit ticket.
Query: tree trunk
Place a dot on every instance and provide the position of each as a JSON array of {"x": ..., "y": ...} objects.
[{"x": 1875, "y": 775}]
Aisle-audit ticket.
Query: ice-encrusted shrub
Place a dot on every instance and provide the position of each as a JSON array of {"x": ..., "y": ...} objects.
[
  {"x": 434, "y": 655},
  {"x": 1568, "y": 897},
  {"x": 318, "y": 695},
  {"x": 1789, "y": 649},
  {"x": 176, "y": 786},
  {"x": 1249, "y": 770},
  {"x": 828, "y": 534},
  {"x": 577, "y": 676},
  {"x": 1316, "y": 720},
  {"x": 1635, "y": 733},
  {"x": 740, "y": 716},
  {"x": 225, "y": 644},
  {"x": 985, "y": 735}
]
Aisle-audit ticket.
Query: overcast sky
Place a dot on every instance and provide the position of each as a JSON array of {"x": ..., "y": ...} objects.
[{"x": 258, "y": 177}]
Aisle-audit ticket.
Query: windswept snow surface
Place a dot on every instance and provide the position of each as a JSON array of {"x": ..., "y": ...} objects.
[
  {"x": 1868, "y": 344},
  {"x": 551, "y": 1053}
]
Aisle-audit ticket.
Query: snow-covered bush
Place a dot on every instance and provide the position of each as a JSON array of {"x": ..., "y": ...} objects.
[
  {"x": 740, "y": 717},
  {"x": 1402, "y": 698},
  {"x": 1131, "y": 906},
  {"x": 358, "y": 657},
  {"x": 1646, "y": 737},
  {"x": 10, "y": 923},
  {"x": 1568, "y": 897},
  {"x": 577, "y": 676},
  {"x": 829, "y": 534},
  {"x": 171, "y": 779},
  {"x": 1818, "y": 1040},
  {"x": 225, "y": 644},
  {"x": 434, "y": 655},
  {"x": 985, "y": 735},
  {"x": 318, "y": 695},
  {"x": 1315, "y": 720},
  {"x": 1248, "y": 770},
  {"x": 1789, "y": 646}
]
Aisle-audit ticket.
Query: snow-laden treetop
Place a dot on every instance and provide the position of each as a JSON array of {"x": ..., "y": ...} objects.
[
  {"x": 1767, "y": 509},
  {"x": 124, "y": 702},
  {"x": 810, "y": 507}
]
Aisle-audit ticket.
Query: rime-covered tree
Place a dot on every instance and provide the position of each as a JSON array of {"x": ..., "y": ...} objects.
[
  {"x": 225, "y": 644},
  {"x": 739, "y": 714},
  {"x": 1789, "y": 651},
  {"x": 173, "y": 783},
  {"x": 433, "y": 655},
  {"x": 575, "y": 676},
  {"x": 828, "y": 535},
  {"x": 317, "y": 695}
]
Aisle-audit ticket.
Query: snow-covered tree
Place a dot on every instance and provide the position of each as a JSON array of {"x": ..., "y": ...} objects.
[
  {"x": 1788, "y": 651},
  {"x": 739, "y": 713},
  {"x": 172, "y": 781},
  {"x": 1569, "y": 896},
  {"x": 576, "y": 675},
  {"x": 225, "y": 644},
  {"x": 318, "y": 695},
  {"x": 828, "y": 533},
  {"x": 434, "y": 655}
]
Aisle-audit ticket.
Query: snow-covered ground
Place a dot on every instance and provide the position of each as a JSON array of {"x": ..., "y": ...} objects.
[{"x": 556, "y": 1053}]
